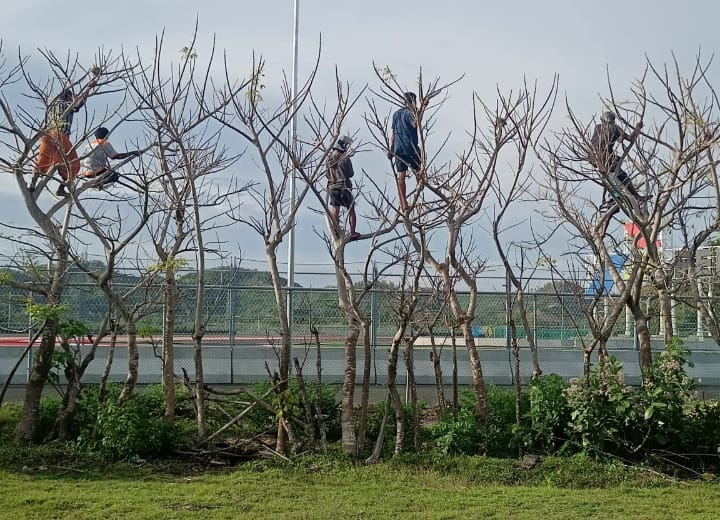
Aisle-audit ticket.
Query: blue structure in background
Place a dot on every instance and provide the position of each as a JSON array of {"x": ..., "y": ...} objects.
[{"x": 595, "y": 283}]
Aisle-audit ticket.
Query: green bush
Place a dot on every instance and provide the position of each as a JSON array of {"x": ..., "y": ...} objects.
[
  {"x": 9, "y": 417},
  {"x": 497, "y": 435},
  {"x": 663, "y": 415},
  {"x": 605, "y": 411},
  {"x": 49, "y": 408},
  {"x": 135, "y": 428},
  {"x": 549, "y": 414}
]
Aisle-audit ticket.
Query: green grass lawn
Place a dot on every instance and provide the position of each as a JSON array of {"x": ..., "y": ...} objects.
[{"x": 382, "y": 491}]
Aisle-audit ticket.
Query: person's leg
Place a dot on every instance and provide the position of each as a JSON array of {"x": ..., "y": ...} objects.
[
  {"x": 44, "y": 160},
  {"x": 625, "y": 180},
  {"x": 352, "y": 218},
  {"x": 69, "y": 166},
  {"x": 336, "y": 214}
]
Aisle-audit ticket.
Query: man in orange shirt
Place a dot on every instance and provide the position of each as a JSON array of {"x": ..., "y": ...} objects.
[{"x": 56, "y": 150}]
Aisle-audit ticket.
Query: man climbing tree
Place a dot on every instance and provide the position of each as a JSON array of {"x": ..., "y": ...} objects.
[
  {"x": 602, "y": 156},
  {"x": 96, "y": 161},
  {"x": 56, "y": 150},
  {"x": 339, "y": 172},
  {"x": 404, "y": 144}
]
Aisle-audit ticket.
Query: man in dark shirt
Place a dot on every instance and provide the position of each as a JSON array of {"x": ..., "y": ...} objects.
[
  {"x": 404, "y": 144},
  {"x": 339, "y": 171},
  {"x": 602, "y": 156},
  {"x": 56, "y": 150}
]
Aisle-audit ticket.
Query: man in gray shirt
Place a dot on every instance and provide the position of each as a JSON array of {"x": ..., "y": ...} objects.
[
  {"x": 97, "y": 155},
  {"x": 338, "y": 173}
]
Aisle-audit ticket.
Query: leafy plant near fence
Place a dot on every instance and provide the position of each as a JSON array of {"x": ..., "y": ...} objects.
[
  {"x": 462, "y": 432},
  {"x": 135, "y": 428},
  {"x": 664, "y": 415}
]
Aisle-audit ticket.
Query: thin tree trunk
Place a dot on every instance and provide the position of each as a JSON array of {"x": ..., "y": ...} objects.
[
  {"x": 643, "y": 333},
  {"x": 410, "y": 365},
  {"x": 394, "y": 395},
  {"x": 475, "y": 370},
  {"x": 586, "y": 362},
  {"x": 63, "y": 423},
  {"x": 281, "y": 442},
  {"x": 108, "y": 364},
  {"x": 365, "y": 396},
  {"x": 528, "y": 333},
  {"x": 171, "y": 297},
  {"x": 318, "y": 393},
  {"x": 516, "y": 366},
  {"x": 132, "y": 374},
  {"x": 199, "y": 386},
  {"x": 456, "y": 400},
  {"x": 439, "y": 386}
]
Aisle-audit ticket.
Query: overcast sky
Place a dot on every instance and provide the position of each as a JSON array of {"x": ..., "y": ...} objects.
[{"x": 491, "y": 43}]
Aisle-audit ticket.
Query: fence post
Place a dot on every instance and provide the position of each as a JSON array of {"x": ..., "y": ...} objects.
[
  {"x": 30, "y": 350},
  {"x": 231, "y": 331},
  {"x": 231, "y": 316}
]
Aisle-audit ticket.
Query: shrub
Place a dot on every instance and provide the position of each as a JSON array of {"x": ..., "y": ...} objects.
[
  {"x": 549, "y": 414},
  {"x": 663, "y": 414},
  {"x": 135, "y": 428},
  {"x": 9, "y": 417},
  {"x": 497, "y": 435},
  {"x": 605, "y": 412}
]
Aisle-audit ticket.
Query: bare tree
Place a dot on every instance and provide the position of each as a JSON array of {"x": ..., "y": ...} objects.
[
  {"x": 521, "y": 117},
  {"x": 667, "y": 160},
  {"x": 21, "y": 129},
  {"x": 266, "y": 131},
  {"x": 184, "y": 113}
]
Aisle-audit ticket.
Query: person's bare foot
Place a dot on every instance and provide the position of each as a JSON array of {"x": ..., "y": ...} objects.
[{"x": 353, "y": 236}]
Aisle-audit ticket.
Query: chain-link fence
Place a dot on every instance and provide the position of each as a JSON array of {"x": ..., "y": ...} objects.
[{"x": 242, "y": 333}]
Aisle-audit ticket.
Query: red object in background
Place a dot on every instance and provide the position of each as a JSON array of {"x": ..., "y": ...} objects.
[{"x": 632, "y": 230}]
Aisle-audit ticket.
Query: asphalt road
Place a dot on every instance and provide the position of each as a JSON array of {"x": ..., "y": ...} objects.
[{"x": 241, "y": 364}]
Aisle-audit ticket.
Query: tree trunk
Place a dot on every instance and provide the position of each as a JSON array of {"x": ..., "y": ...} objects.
[
  {"x": 281, "y": 442},
  {"x": 437, "y": 368},
  {"x": 171, "y": 297},
  {"x": 475, "y": 370},
  {"x": 410, "y": 365},
  {"x": 132, "y": 374},
  {"x": 347, "y": 416},
  {"x": 199, "y": 386},
  {"x": 318, "y": 394},
  {"x": 528, "y": 333},
  {"x": 586, "y": 361},
  {"x": 28, "y": 428},
  {"x": 365, "y": 396},
  {"x": 394, "y": 395},
  {"x": 108, "y": 363},
  {"x": 456, "y": 399},
  {"x": 63, "y": 423},
  {"x": 665, "y": 309},
  {"x": 643, "y": 333}
]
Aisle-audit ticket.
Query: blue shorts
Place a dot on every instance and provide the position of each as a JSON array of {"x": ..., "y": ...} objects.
[{"x": 402, "y": 161}]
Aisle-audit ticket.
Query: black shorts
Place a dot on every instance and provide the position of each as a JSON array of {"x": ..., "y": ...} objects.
[
  {"x": 341, "y": 197},
  {"x": 402, "y": 162}
]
